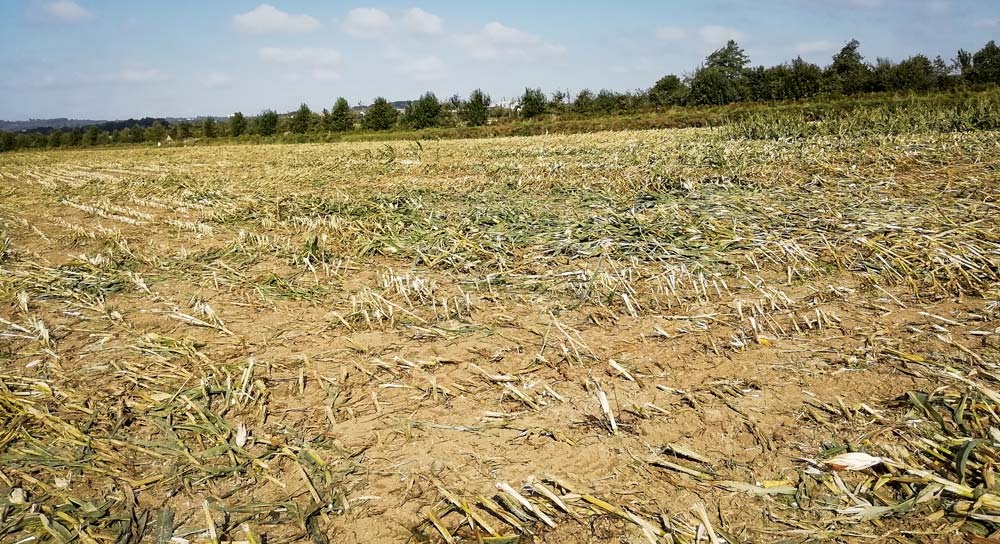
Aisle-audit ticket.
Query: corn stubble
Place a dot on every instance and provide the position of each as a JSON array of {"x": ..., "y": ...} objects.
[{"x": 258, "y": 344}]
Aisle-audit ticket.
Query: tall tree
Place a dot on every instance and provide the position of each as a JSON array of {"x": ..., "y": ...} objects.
[
  {"x": 341, "y": 116},
  {"x": 730, "y": 58},
  {"x": 208, "y": 128},
  {"x": 476, "y": 110},
  {"x": 424, "y": 112},
  {"x": 532, "y": 103},
  {"x": 986, "y": 64},
  {"x": 803, "y": 79},
  {"x": 584, "y": 102},
  {"x": 848, "y": 72},
  {"x": 301, "y": 120},
  {"x": 156, "y": 132},
  {"x": 91, "y": 136},
  {"x": 267, "y": 123},
  {"x": 380, "y": 115},
  {"x": 237, "y": 124}
]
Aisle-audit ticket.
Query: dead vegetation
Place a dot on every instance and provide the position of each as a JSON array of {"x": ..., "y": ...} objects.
[{"x": 641, "y": 336}]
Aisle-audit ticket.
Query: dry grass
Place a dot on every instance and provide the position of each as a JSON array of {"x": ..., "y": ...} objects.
[{"x": 662, "y": 336}]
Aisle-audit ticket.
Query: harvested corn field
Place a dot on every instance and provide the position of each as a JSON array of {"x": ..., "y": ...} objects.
[{"x": 650, "y": 336}]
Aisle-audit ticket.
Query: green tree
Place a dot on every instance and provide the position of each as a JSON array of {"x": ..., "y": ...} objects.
[
  {"x": 963, "y": 63},
  {"x": 559, "y": 101},
  {"x": 584, "y": 102},
  {"x": 136, "y": 135},
  {"x": 716, "y": 86},
  {"x": 267, "y": 123},
  {"x": 848, "y": 73},
  {"x": 91, "y": 136},
  {"x": 301, "y": 120},
  {"x": 208, "y": 128},
  {"x": 668, "y": 90},
  {"x": 380, "y": 115},
  {"x": 341, "y": 116},
  {"x": 532, "y": 103},
  {"x": 55, "y": 138},
  {"x": 8, "y": 141},
  {"x": 986, "y": 64},
  {"x": 606, "y": 102},
  {"x": 913, "y": 74},
  {"x": 802, "y": 80},
  {"x": 476, "y": 110},
  {"x": 423, "y": 113},
  {"x": 74, "y": 137},
  {"x": 723, "y": 78},
  {"x": 156, "y": 132},
  {"x": 237, "y": 124},
  {"x": 766, "y": 84},
  {"x": 183, "y": 130},
  {"x": 730, "y": 58}
]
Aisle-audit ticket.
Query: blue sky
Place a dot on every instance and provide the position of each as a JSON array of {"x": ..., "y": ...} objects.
[{"x": 119, "y": 58}]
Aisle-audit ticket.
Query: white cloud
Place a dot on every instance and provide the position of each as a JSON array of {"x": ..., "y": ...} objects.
[
  {"x": 309, "y": 56},
  {"x": 367, "y": 22},
  {"x": 671, "y": 33},
  {"x": 498, "y": 33},
  {"x": 987, "y": 23},
  {"x": 66, "y": 11},
  {"x": 141, "y": 75},
  {"x": 497, "y": 41},
  {"x": 267, "y": 18},
  {"x": 421, "y": 21},
  {"x": 423, "y": 69},
  {"x": 324, "y": 74},
  {"x": 216, "y": 81},
  {"x": 717, "y": 36},
  {"x": 818, "y": 46}
]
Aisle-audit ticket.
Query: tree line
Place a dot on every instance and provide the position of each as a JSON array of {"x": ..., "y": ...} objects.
[{"x": 725, "y": 77}]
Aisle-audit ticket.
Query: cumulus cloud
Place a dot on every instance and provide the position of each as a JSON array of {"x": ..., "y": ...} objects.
[
  {"x": 423, "y": 69},
  {"x": 818, "y": 46},
  {"x": 367, "y": 22},
  {"x": 498, "y": 41},
  {"x": 66, "y": 11},
  {"x": 267, "y": 18},
  {"x": 423, "y": 22},
  {"x": 307, "y": 56},
  {"x": 142, "y": 75},
  {"x": 671, "y": 33}
]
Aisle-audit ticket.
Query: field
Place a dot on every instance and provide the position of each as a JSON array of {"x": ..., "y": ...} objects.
[{"x": 640, "y": 336}]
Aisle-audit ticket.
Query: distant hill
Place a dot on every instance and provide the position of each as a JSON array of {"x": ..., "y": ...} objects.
[
  {"x": 45, "y": 126},
  {"x": 33, "y": 124}
]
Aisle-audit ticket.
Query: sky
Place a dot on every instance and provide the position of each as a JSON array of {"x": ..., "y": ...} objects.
[{"x": 114, "y": 59}]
